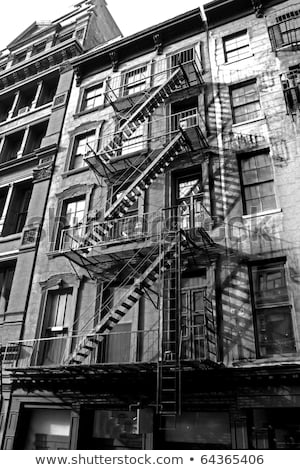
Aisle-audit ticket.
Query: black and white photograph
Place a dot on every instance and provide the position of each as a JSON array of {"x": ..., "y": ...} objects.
[{"x": 150, "y": 229}]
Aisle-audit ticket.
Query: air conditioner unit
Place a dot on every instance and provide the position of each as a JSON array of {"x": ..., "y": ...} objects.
[{"x": 23, "y": 110}]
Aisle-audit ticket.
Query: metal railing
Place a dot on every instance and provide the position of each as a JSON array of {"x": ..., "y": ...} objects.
[
  {"x": 291, "y": 89},
  {"x": 241, "y": 142},
  {"x": 285, "y": 33},
  {"x": 120, "y": 347},
  {"x": 147, "y": 76},
  {"x": 124, "y": 229},
  {"x": 192, "y": 214},
  {"x": 158, "y": 131}
]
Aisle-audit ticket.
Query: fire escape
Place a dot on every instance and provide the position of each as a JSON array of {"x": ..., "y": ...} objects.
[{"x": 152, "y": 245}]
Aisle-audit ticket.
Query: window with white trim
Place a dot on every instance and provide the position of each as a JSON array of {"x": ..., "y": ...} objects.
[
  {"x": 92, "y": 97},
  {"x": 135, "y": 80},
  {"x": 258, "y": 189},
  {"x": 236, "y": 46},
  {"x": 245, "y": 102},
  {"x": 84, "y": 144}
]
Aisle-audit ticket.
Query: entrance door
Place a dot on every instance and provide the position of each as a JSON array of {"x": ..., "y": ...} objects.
[{"x": 192, "y": 321}]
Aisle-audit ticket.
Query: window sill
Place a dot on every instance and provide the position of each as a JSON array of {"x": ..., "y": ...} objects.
[
  {"x": 88, "y": 111},
  {"x": 250, "y": 121},
  {"x": 76, "y": 171},
  {"x": 30, "y": 112},
  {"x": 261, "y": 214},
  {"x": 10, "y": 237},
  {"x": 229, "y": 62}
]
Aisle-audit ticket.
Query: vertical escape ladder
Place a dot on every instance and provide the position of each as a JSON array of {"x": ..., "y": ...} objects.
[
  {"x": 147, "y": 273},
  {"x": 169, "y": 380}
]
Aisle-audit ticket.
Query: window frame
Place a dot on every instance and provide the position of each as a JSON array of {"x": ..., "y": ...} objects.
[
  {"x": 63, "y": 216},
  {"x": 243, "y": 185},
  {"x": 236, "y": 35},
  {"x": 83, "y": 100},
  {"x": 142, "y": 83},
  {"x": 263, "y": 310},
  {"x": 257, "y": 112},
  {"x": 74, "y": 148}
]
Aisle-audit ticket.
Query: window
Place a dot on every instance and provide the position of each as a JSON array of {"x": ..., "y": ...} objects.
[
  {"x": 19, "y": 58},
  {"x": 26, "y": 97},
  {"x": 6, "y": 279},
  {"x": 11, "y": 147},
  {"x": 236, "y": 46},
  {"x": 57, "y": 323},
  {"x": 37, "y": 48},
  {"x": 72, "y": 219},
  {"x": 5, "y": 106},
  {"x": 135, "y": 81},
  {"x": 18, "y": 209},
  {"x": 182, "y": 57},
  {"x": 131, "y": 225},
  {"x": 287, "y": 30},
  {"x": 193, "y": 324},
  {"x": 135, "y": 143},
  {"x": 84, "y": 144},
  {"x": 62, "y": 37},
  {"x": 189, "y": 201},
  {"x": 48, "y": 91},
  {"x": 272, "y": 310},
  {"x": 92, "y": 97},
  {"x": 245, "y": 102},
  {"x": 35, "y": 137},
  {"x": 257, "y": 184}
]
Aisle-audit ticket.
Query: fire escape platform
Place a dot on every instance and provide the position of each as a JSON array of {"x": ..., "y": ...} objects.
[
  {"x": 106, "y": 259},
  {"x": 40, "y": 374}
]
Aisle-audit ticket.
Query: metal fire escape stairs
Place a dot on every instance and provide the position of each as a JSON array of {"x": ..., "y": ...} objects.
[
  {"x": 142, "y": 276},
  {"x": 165, "y": 265},
  {"x": 144, "y": 111}
]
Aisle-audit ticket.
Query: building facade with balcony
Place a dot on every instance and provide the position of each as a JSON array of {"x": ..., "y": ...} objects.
[{"x": 164, "y": 309}]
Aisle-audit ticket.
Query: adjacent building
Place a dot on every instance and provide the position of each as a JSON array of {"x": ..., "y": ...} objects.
[
  {"x": 35, "y": 82},
  {"x": 164, "y": 304}
]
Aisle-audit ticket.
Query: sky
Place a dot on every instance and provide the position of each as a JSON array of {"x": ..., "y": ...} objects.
[{"x": 130, "y": 15}]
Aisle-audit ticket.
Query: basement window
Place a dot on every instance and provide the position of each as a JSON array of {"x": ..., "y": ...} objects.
[
  {"x": 272, "y": 310},
  {"x": 236, "y": 46}
]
